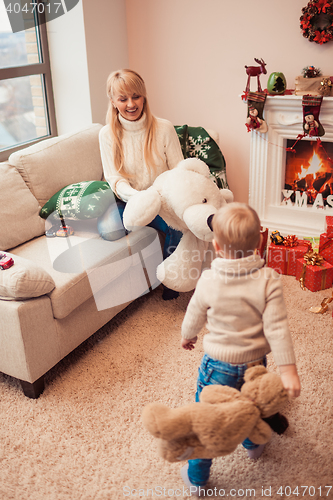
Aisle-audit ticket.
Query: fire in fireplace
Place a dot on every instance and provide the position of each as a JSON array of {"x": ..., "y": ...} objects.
[{"x": 309, "y": 173}]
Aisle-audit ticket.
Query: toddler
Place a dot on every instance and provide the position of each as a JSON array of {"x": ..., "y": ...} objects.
[{"x": 241, "y": 302}]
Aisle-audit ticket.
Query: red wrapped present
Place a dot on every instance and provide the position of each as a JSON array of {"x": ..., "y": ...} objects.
[
  {"x": 313, "y": 272},
  {"x": 326, "y": 247},
  {"x": 283, "y": 258},
  {"x": 329, "y": 225}
]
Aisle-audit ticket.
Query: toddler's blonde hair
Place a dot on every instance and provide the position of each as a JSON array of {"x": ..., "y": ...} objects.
[{"x": 236, "y": 228}]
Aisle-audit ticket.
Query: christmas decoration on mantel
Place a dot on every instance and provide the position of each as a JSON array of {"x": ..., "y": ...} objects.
[
  {"x": 326, "y": 86},
  {"x": 255, "y": 100},
  {"x": 255, "y": 71},
  {"x": 276, "y": 83},
  {"x": 312, "y": 127},
  {"x": 255, "y": 107},
  {"x": 311, "y": 108},
  {"x": 311, "y": 72},
  {"x": 316, "y": 21},
  {"x": 313, "y": 82}
]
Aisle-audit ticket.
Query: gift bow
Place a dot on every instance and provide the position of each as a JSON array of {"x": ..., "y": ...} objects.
[
  {"x": 313, "y": 258},
  {"x": 290, "y": 241}
]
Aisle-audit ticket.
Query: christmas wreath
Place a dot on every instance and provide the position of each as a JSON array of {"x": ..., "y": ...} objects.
[{"x": 317, "y": 21}]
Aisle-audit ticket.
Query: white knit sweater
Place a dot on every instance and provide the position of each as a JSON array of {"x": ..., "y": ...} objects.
[
  {"x": 168, "y": 146},
  {"x": 242, "y": 304}
]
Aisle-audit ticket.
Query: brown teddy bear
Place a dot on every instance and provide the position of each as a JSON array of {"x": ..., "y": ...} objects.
[{"x": 222, "y": 420}]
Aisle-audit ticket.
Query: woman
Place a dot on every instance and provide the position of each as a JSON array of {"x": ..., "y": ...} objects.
[{"x": 135, "y": 147}]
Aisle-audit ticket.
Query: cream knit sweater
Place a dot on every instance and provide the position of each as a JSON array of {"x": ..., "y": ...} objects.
[
  {"x": 168, "y": 146},
  {"x": 242, "y": 304}
]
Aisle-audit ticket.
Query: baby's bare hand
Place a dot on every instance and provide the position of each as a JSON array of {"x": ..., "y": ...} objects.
[
  {"x": 188, "y": 344},
  {"x": 290, "y": 380}
]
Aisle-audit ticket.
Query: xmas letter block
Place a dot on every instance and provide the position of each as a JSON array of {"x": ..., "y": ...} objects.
[
  {"x": 283, "y": 259},
  {"x": 329, "y": 225},
  {"x": 326, "y": 247},
  {"x": 316, "y": 277}
]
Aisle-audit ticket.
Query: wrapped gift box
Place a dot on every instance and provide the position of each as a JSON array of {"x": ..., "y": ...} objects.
[
  {"x": 283, "y": 258},
  {"x": 326, "y": 247},
  {"x": 318, "y": 277},
  {"x": 329, "y": 225}
]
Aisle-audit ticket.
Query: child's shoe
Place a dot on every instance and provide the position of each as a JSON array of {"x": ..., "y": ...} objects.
[
  {"x": 194, "y": 490},
  {"x": 256, "y": 452}
]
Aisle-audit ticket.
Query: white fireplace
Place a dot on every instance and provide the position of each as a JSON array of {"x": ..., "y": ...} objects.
[{"x": 277, "y": 211}]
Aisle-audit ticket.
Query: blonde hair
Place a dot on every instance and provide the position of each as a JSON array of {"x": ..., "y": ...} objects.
[
  {"x": 236, "y": 228},
  {"x": 128, "y": 82}
]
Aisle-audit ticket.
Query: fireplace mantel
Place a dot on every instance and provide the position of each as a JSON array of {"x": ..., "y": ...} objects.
[{"x": 284, "y": 117}]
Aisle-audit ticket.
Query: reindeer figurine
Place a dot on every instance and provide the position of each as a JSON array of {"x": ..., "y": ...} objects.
[{"x": 255, "y": 71}]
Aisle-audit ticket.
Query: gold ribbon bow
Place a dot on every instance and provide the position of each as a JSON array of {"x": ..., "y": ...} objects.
[
  {"x": 290, "y": 241},
  {"x": 311, "y": 258},
  {"x": 323, "y": 306}
]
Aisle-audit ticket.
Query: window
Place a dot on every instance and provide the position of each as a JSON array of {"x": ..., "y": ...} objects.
[{"x": 26, "y": 97}]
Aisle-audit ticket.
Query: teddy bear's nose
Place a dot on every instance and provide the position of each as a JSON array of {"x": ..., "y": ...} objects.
[{"x": 209, "y": 222}]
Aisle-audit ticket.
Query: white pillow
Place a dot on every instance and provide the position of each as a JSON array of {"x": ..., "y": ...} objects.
[{"x": 24, "y": 280}]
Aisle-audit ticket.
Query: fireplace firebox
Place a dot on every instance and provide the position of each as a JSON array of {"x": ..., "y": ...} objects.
[{"x": 292, "y": 191}]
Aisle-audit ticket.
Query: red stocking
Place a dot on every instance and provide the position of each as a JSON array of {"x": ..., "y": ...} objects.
[
  {"x": 311, "y": 109},
  {"x": 255, "y": 109}
]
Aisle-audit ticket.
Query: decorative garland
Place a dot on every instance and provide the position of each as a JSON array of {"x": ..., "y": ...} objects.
[{"x": 312, "y": 19}]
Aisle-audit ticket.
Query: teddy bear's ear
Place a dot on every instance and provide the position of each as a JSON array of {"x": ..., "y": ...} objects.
[
  {"x": 227, "y": 195},
  {"x": 195, "y": 165},
  {"x": 254, "y": 372}
]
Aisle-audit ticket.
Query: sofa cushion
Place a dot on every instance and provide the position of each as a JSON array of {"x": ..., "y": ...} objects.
[
  {"x": 49, "y": 165},
  {"x": 19, "y": 210},
  {"x": 24, "y": 280},
  {"x": 84, "y": 265},
  {"x": 83, "y": 200}
]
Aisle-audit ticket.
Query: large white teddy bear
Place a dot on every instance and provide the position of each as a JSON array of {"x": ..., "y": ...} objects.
[{"x": 186, "y": 198}]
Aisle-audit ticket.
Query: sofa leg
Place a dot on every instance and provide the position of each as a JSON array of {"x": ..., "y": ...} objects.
[{"x": 34, "y": 390}]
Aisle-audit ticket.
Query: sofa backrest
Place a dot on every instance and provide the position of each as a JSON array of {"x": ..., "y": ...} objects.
[{"x": 54, "y": 163}]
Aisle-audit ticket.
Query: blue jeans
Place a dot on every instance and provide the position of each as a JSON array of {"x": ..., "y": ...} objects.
[
  {"x": 211, "y": 371},
  {"x": 110, "y": 227}
]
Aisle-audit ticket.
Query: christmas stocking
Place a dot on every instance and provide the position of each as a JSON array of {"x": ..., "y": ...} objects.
[
  {"x": 311, "y": 108},
  {"x": 255, "y": 108}
]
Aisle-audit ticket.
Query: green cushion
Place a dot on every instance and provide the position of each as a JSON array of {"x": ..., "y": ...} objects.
[
  {"x": 196, "y": 142},
  {"x": 183, "y": 137},
  {"x": 82, "y": 200}
]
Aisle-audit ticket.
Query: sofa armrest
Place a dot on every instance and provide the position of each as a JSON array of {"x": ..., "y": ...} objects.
[{"x": 28, "y": 338}]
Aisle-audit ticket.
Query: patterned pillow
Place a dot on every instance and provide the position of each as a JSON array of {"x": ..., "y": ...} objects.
[
  {"x": 82, "y": 200},
  {"x": 199, "y": 144},
  {"x": 183, "y": 137}
]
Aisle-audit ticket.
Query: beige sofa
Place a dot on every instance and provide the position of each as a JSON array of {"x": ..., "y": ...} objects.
[{"x": 60, "y": 290}]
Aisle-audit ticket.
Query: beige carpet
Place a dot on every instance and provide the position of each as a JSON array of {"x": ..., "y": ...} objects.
[{"x": 83, "y": 438}]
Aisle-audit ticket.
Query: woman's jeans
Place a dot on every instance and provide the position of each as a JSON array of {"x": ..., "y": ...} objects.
[
  {"x": 211, "y": 371},
  {"x": 111, "y": 227}
]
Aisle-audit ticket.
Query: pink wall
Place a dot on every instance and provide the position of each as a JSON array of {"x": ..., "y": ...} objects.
[{"x": 192, "y": 54}]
